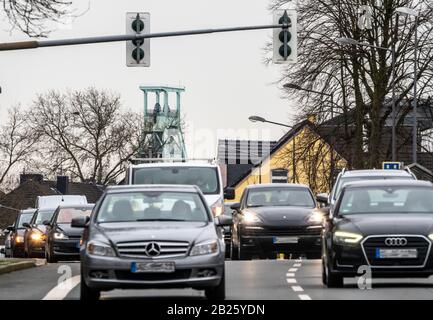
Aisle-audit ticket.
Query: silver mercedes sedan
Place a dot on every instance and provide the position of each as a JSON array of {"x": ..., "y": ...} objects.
[{"x": 146, "y": 236}]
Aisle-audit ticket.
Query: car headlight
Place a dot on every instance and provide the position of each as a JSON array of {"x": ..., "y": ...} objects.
[
  {"x": 60, "y": 236},
  {"x": 316, "y": 217},
  {"x": 250, "y": 217},
  {"x": 343, "y": 237},
  {"x": 36, "y": 236},
  {"x": 99, "y": 249},
  {"x": 207, "y": 247},
  {"x": 430, "y": 236},
  {"x": 19, "y": 239},
  {"x": 217, "y": 208}
]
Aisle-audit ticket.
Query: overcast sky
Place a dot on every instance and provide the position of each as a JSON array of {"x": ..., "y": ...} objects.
[{"x": 223, "y": 74}]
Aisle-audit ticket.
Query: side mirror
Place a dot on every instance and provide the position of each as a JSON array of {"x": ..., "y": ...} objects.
[
  {"x": 236, "y": 206},
  {"x": 229, "y": 193},
  {"x": 223, "y": 221},
  {"x": 80, "y": 222},
  {"x": 26, "y": 225},
  {"x": 10, "y": 229},
  {"x": 322, "y": 198},
  {"x": 46, "y": 222},
  {"x": 2, "y": 250}
]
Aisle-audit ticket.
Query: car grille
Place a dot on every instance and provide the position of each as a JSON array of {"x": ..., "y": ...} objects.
[
  {"x": 168, "y": 249},
  {"x": 413, "y": 242},
  {"x": 129, "y": 276},
  {"x": 289, "y": 231}
]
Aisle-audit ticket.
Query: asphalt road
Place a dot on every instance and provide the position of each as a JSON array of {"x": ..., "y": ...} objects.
[{"x": 246, "y": 280}]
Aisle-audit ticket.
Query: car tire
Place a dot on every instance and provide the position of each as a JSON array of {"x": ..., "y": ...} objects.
[
  {"x": 87, "y": 293},
  {"x": 330, "y": 279},
  {"x": 51, "y": 258},
  {"x": 242, "y": 255},
  {"x": 218, "y": 292},
  {"x": 233, "y": 251}
]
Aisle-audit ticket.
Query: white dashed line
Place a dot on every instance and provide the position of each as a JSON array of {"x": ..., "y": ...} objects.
[
  {"x": 293, "y": 269},
  {"x": 304, "y": 297},
  {"x": 290, "y": 275},
  {"x": 297, "y": 288},
  {"x": 297, "y": 265},
  {"x": 291, "y": 280}
]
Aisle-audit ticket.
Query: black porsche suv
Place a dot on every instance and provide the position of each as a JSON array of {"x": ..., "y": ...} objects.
[
  {"x": 386, "y": 225},
  {"x": 274, "y": 219}
]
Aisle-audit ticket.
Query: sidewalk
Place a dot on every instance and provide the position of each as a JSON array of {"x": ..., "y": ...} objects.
[{"x": 10, "y": 265}]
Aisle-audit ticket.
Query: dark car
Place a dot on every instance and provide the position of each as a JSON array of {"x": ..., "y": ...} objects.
[
  {"x": 386, "y": 226},
  {"x": 17, "y": 233},
  {"x": 34, "y": 235},
  {"x": 63, "y": 241},
  {"x": 276, "y": 218}
]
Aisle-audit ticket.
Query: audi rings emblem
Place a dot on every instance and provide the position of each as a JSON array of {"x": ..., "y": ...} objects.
[
  {"x": 396, "y": 242},
  {"x": 152, "y": 249}
]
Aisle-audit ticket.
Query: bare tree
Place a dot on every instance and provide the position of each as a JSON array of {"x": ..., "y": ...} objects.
[
  {"x": 360, "y": 77},
  {"x": 32, "y": 17},
  {"x": 85, "y": 134},
  {"x": 17, "y": 143}
]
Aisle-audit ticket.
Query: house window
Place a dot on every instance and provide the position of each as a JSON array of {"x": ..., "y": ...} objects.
[{"x": 279, "y": 176}]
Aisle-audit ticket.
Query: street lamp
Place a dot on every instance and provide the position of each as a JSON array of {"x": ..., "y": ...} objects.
[
  {"x": 353, "y": 42},
  {"x": 296, "y": 87},
  {"x": 261, "y": 119},
  {"x": 404, "y": 11}
]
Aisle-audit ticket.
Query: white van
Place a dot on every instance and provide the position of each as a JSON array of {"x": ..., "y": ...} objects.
[
  {"x": 55, "y": 201},
  {"x": 207, "y": 176}
]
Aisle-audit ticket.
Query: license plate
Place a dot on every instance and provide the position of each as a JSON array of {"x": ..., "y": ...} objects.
[
  {"x": 396, "y": 253},
  {"x": 291, "y": 240},
  {"x": 154, "y": 266}
]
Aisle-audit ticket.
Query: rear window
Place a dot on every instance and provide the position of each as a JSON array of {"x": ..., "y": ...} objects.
[
  {"x": 66, "y": 215},
  {"x": 345, "y": 180},
  {"x": 204, "y": 177}
]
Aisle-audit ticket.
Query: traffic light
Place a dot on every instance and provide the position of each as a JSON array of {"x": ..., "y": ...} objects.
[
  {"x": 138, "y": 51},
  {"x": 285, "y": 39}
]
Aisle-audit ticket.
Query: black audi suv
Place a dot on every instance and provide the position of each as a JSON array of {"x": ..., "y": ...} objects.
[
  {"x": 63, "y": 241},
  {"x": 276, "y": 218},
  {"x": 385, "y": 225}
]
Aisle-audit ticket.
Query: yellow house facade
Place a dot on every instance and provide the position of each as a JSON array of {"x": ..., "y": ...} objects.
[{"x": 300, "y": 156}]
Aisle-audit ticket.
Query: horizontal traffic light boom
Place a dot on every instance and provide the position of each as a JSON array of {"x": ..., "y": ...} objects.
[{"x": 116, "y": 38}]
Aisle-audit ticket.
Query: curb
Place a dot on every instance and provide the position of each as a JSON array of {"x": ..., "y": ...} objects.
[{"x": 19, "y": 266}]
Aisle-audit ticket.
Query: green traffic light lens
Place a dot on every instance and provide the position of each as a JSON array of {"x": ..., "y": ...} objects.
[
  {"x": 281, "y": 21},
  {"x": 281, "y": 36},
  {"x": 137, "y": 25},
  {"x": 138, "y": 54},
  {"x": 281, "y": 51}
]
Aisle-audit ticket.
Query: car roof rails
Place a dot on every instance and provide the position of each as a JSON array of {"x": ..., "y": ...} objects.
[{"x": 171, "y": 160}]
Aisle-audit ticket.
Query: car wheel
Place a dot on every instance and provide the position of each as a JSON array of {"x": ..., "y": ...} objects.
[
  {"x": 242, "y": 255},
  {"x": 87, "y": 293},
  {"x": 218, "y": 292},
  {"x": 331, "y": 280},
  {"x": 51, "y": 258}
]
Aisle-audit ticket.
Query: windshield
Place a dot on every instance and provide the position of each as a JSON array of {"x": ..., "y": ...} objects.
[
  {"x": 205, "y": 178},
  {"x": 24, "y": 218},
  {"x": 396, "y": 199},
  {"x": 296, "y": 197},
  {"x": 42, "y": 216},
  {"x": 152, "y": 206},
  {"x": 345, "y": 180},
  {"x": 66, "y": 215}
]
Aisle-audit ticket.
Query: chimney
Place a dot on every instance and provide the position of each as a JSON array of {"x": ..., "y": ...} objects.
[
  {"x": 37, "y": 177},
  {"x": 63, "y": 184}
]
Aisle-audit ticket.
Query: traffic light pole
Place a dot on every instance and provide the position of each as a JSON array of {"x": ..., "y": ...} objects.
[{"x": 33, "y": 44}]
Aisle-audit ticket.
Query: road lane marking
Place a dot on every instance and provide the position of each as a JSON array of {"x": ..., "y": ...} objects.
[
  {"x": 293, "y": 269},
  {"x": 297, "y": 288},
  {"x": 60, "y": 291},
  {"x": 297, "y": 265},
  {"x": 291, "y": 280},
  {"x": 304, "y": 297},
  {"x": 290, "y": 275}
]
